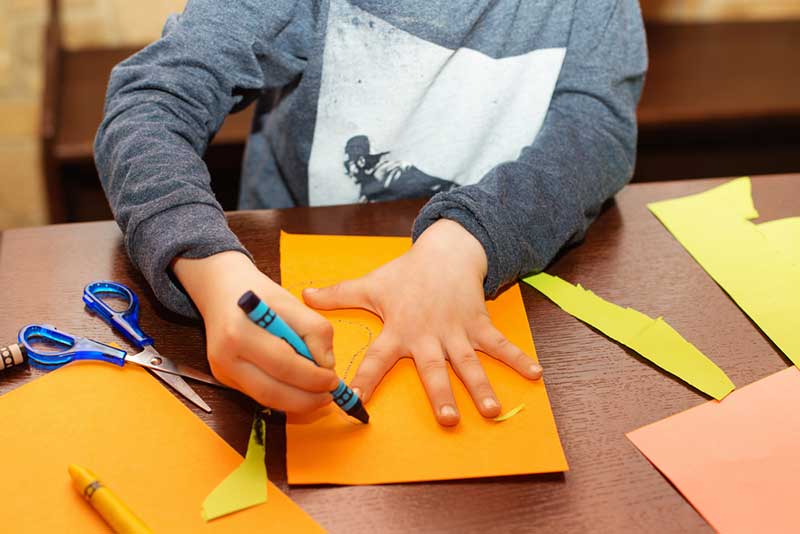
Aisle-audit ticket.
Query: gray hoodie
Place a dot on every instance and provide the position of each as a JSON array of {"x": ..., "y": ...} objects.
[{"x": 516, "y": 116}]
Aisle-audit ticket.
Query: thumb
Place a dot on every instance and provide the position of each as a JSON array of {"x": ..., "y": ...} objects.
[{"x": 347, "y": 294}]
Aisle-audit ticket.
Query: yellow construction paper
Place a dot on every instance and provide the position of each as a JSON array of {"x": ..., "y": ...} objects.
[
  {"x": 403, "y": 442},
  {"x": 784, "y": 235},
  {"x": 654, "y": 339},
  {"x": 509, "y": 414},
  {"x": 756, "y": 264},
  {"x": 246, "y": 486},
  {"x": 125, "y": 424}
]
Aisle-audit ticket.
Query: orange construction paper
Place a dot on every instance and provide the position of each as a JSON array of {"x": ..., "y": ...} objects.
[
  {"x": 403, "y": 442},
  {"x": 139, "y": 439},
  {"x": 736, "y": 460}
]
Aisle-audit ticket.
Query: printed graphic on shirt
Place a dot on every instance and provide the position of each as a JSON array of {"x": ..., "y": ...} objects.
[
  {"x": 409, "y": 118},
  {"x": 381, "y": 178}
]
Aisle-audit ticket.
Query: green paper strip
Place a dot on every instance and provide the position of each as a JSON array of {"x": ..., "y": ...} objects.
[
  {"x": 509, "y": 414},
  {"x": 654, "y": 339},
  {"x": 758, "y": 265},
  {"x": 246, "y": 486}
]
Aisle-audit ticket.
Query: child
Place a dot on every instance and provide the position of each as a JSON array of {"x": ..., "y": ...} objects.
[{"x": 518, "y": 114}]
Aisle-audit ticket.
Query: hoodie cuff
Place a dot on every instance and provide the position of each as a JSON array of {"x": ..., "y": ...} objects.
[
  {"x": 449, "y": 206},
  {"x": 189, "y": 230}
]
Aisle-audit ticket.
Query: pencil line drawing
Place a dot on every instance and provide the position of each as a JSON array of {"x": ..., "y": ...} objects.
[
  {"x": 298, "y": 287},
  {"x": 363, "y": 348}
]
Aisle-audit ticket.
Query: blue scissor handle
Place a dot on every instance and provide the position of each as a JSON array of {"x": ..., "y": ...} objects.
[
  {"x": 126, "y": 321},
  {"x": 75, "y": 348}
]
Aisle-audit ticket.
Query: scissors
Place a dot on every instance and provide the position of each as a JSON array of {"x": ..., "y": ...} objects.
[{"x": 70, "y": 347}]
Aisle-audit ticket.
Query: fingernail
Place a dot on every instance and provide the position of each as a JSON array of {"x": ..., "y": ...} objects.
[
  {"x": 357, "y": 392},
  {"x": 447, "y": 411},
  {"x": 535, "y": 369},
  {"x": 489, "y": 404},
  {"x": 311, "y": 290}
]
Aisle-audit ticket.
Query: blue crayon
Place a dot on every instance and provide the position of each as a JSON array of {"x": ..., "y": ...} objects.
[{"x": 265, "y": 317}]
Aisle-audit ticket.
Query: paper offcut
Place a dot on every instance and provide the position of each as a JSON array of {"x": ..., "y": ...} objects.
[
  {"x": 758, "y": 265},
  {"x": 509, "y": 414},
  {"x": 653, "y": 339},
  {"x": 246, "y": 486}
]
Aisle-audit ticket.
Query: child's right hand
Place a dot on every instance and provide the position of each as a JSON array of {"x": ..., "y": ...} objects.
[{"x": 246, "y": 357}]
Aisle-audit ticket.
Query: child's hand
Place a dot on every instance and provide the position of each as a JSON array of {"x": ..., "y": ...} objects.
[
  {"x": 432, "y": 305},
  {"x": 246, "y": 357}
]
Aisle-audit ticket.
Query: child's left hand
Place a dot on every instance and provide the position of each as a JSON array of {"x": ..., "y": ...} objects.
[{"x": 432, "y": 305}]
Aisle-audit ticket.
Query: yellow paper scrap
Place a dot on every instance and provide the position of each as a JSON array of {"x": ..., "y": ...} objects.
[
  {"x": 509, "y": 414},
  {"x": 654, "y": 339},
  {"x": 784, "y": 235},
  {"x": 246, "y": 486},
  {"x": 758, "y": 265}
]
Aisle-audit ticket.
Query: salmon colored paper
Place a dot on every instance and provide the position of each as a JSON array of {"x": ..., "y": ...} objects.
[
  {"x": 163, "y": 460},
  {"x": 737, "y": 460},
  {"x": 403, "y": 442}
]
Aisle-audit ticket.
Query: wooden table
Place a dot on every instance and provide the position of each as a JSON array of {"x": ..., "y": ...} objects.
[{"x": 598, "y": 389}]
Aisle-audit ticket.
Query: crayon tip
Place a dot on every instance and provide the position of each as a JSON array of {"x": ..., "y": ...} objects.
[
  {"x": 73, "y": 470},
  {"x": 360, "y": 413}
]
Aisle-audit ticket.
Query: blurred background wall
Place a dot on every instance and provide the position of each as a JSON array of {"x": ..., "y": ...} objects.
[
  {"x": 719, "y": 10},
  {"x": 85, "y": 23},
  {"x": 121, "y": 23}
]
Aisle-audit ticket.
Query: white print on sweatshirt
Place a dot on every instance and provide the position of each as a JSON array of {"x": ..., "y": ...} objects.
[{"x": 451, "y": 115}]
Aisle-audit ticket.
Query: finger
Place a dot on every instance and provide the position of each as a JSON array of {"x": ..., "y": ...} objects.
[
  {"x": 432, "y": 369},
  {"x": 319, "y": 340},
  {"x": 468, "y": 367},
  {"x": 379, "y": 359},
  {"x": 347, "y": 294},
  {"x": 490, "y": 340},
  {"x": 274, "y": 356},
  {"x": 268, "y": 391},
  {"x": 316, "y": 331}
]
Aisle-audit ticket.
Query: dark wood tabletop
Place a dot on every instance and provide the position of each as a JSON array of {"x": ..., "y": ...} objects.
[{"x": 599, "y": 390}]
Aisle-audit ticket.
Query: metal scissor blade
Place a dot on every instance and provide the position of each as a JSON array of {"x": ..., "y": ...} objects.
[
  {"x": 180, "y": 385},
  {"x": 194, "y": 374},
  {"x": 151, "y": 359},
  {"x": 167, "y": 371}
]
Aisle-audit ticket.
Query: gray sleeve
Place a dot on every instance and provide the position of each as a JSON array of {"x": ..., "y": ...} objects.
[
  {"x": 163, "y": 106},
  {"x": 524, "y": 211}
]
